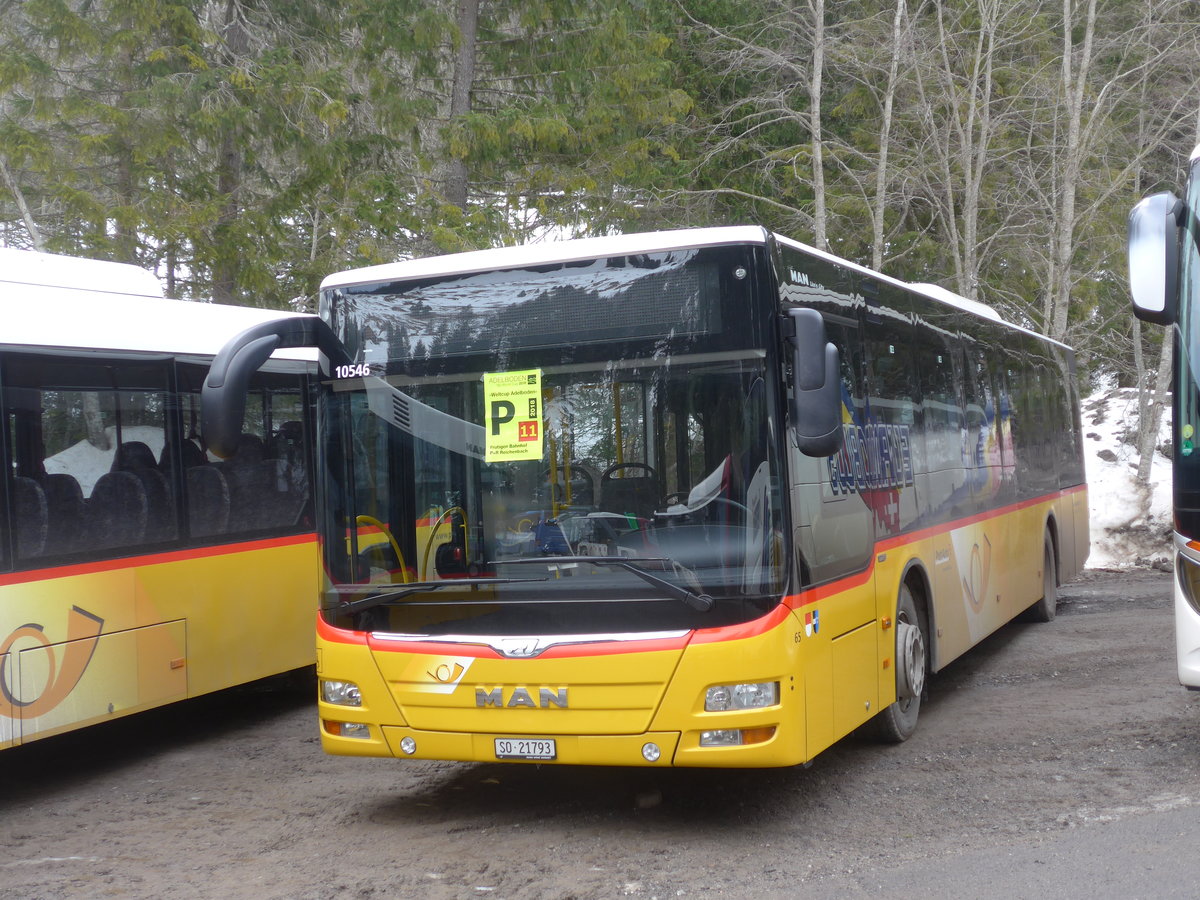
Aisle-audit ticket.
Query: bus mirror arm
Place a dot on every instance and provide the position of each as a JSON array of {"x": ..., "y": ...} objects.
[
  {"x": 223, "y": 396},
  {"x": 816, "y": 396}
]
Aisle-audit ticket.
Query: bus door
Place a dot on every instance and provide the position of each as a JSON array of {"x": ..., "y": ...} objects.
[{"x": 834, "y": 541}]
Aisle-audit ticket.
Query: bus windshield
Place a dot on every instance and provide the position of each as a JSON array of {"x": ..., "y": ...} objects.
[{"x": 581, "y": 449}]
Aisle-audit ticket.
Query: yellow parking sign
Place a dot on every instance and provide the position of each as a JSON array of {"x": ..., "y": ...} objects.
[{"x": 512, "y": 415}]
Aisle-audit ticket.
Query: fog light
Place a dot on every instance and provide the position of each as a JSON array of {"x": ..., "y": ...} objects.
[
  {"x": 342, "y": 693},
  {"x": 736, "y": 737},
  {"x": 408, "y": 745},
  {"x": 752, "y": 695},
  {"x": 359, "y": 730},
  {"x": 724, "y": 737},
  {"x": 651, "y": 752}
]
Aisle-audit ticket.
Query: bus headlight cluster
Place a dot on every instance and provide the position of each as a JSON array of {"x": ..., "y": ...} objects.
[
  {"x": 736, "y": 737},
  {"x": 753, "y": 695},
  {"x": 341, "y": 693},
  {"x": 359, "y": 730}
]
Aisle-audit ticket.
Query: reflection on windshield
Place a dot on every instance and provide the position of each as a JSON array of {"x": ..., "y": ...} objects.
[{"x": 667, "y": 466}]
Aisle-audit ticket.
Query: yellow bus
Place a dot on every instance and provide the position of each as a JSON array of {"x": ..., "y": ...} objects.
[
  {"x": 135, "y": 569},
  {"x": 706, "y": 497}
]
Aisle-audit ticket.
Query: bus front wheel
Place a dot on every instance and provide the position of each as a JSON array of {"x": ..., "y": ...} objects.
[{"x": 897, "y": 723}]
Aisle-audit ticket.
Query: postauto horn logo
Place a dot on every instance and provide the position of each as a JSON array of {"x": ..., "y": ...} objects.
[{"x": 65, "y": 667}]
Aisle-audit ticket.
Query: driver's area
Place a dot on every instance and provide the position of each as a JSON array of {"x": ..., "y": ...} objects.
[{"x": 655, "y": 505}]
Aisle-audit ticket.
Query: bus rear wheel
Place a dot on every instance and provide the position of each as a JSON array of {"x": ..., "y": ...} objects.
[
  {"x": 897, "y": 723},
  {"x": 1045, "y": 609}
]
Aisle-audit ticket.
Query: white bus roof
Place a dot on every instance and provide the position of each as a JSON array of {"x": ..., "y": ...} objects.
[
  {"x": 548, "y": 253},
  {"x": 552, "y": 252},
  {"x": 69, "y": 303},
  {"x": 52, "y": 270}
]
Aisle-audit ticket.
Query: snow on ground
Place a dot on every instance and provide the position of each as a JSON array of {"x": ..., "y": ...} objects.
[{"x": 1129, "y": 527}]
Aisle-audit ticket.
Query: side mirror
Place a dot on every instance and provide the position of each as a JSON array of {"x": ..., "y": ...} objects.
[
  {"x": 816, "y": 386},
  {"x": 223, "y": 395},
  {"x": 1154, "y": 258}
]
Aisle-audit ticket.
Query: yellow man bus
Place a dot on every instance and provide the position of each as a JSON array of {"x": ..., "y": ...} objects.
[
  {"x": 135, "y": 570},
  {"x": 698, "y": 498}
]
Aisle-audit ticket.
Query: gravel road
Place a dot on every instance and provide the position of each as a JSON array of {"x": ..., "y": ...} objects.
[{"x": 1036, "y": 751}]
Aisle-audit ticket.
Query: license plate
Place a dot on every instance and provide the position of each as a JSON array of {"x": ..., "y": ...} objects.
[{"x": 526, "y": 748}]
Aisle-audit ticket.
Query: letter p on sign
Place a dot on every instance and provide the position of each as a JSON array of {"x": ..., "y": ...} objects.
[
  {"x": 510, "y": 438},
  {"x": 502, "y": 413}
]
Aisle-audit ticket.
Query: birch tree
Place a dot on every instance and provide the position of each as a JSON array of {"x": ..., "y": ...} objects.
[
  {"x": 764, "y": 144},
  {"x": 967, "y": 121}
]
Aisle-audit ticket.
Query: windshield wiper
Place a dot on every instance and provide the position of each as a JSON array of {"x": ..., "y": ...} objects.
[
  {"x": 416, "y": 587},
  {"x": 697, "y": 601}
]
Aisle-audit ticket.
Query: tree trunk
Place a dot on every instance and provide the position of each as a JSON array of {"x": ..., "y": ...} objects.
[
  {"x": 457, "y": 181},
  {"x": 230, "y": 165},
  {"x": 1151, "y": 397},
  {"x": 93, "y": 421},
  {"x": 31, "y": 226},
  {"x": 820, "y": 215},
  {"x": 1074, "y": 86},
  {"x": 879, "y": 204}
]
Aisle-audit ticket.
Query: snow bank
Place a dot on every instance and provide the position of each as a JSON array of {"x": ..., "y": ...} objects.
[{"x": 1129, "y": 526}]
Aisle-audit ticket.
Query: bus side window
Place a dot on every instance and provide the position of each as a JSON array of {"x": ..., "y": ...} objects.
[
  {"x": 265, "y": 484},
  {"x": 834, "y": 528},
  {"x": 983, "y": 424},
  {"x": 99, "y": 431},
  {"x": 267, "y": 479},
  {"x": 896, "y": 454}
]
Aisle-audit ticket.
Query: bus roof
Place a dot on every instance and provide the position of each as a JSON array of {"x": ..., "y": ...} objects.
[
  {"x": 53, "y": 270},
  {"x": 548, "y": 253},
  {"x": 553, "y": 252},
  {"x": 50, "y": 301}
]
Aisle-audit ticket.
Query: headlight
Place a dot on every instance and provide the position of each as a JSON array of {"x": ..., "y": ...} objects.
[
  {"x": 754, "y": 695},
  {"x": 360, "y": 730},
  {"x": 736, "y": 737},
  {"x": 342, "y": 693}
]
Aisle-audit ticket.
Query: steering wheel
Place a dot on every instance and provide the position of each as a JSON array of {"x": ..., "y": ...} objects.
[{"x": 616, "y": 467}]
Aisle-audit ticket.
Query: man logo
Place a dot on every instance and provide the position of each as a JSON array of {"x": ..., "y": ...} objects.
[{"x": 519, "y": 697}]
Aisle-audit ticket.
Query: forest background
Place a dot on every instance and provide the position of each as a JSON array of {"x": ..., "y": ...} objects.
[{"x": 243, "y": 149}]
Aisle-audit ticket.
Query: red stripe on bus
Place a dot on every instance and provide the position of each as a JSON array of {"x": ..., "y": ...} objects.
[
  {"x": 858, "y": 579},
  {"x": 703, "y": 635},
  {"x": 753, "y": 628},
  {"x": 484, "y": 651},
  {"x": 335, "y": 635},
  {"x": 909, "y": 537},
  {"x": 151, "y": 559}
]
